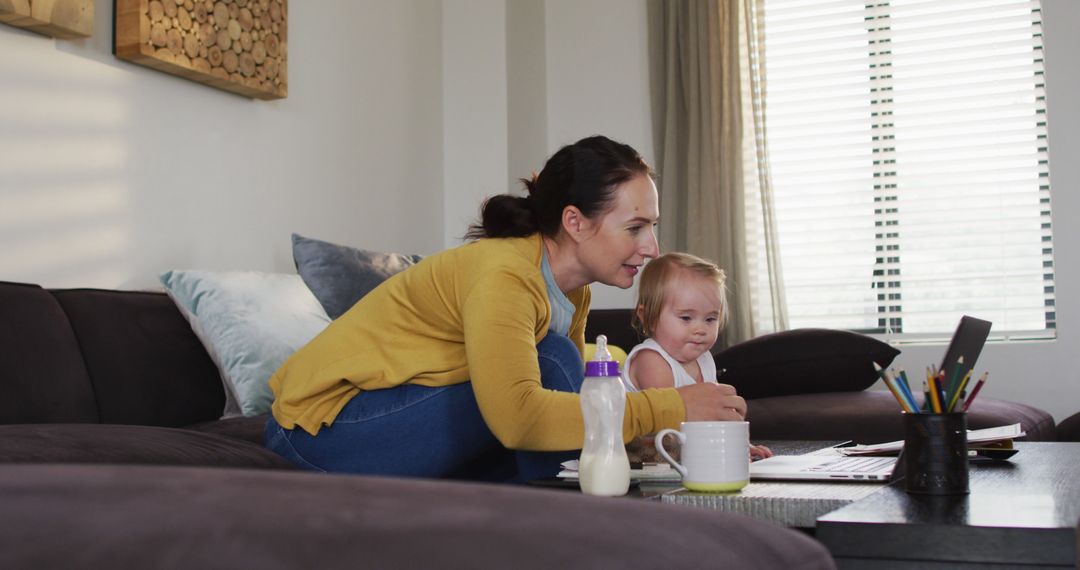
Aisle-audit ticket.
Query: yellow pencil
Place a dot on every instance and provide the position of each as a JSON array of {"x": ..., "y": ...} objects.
[
  {"x": 935, "y": 399},
  {"x": 959, "y": 390}
]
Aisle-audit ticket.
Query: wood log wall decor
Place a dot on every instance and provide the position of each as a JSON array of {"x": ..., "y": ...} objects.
[
  {"x": 65, "y": 19},
  {"x": 235, "y": 45}
]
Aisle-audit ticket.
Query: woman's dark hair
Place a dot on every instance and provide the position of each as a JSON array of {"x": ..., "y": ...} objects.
[{"x": 584, "y": 174}]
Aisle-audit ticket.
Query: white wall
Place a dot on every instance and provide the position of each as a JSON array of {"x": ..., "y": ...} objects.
[
  {"x": 598, "y": 83},
  {"x": 526, "y": 76},
  {"x": 571, "y": 68},
  {"x": 111, "y": 173},
  {"x": 475, "y": 127}
]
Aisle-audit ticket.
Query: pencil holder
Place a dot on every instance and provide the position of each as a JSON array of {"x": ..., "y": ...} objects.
[{"x": 935, "y": 454}]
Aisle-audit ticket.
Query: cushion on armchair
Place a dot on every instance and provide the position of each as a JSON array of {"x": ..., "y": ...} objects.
[
  {"x": 339, "y": 275},
  {"x": 249, "y": 323},
  {"x": 803, "y": 361}
]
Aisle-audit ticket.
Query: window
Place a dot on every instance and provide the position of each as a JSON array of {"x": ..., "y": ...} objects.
[{"x": 907, "y": 144}]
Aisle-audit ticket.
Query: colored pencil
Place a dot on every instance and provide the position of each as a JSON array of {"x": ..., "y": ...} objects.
[
  {"x": 941, "y": 390},
  {"x": 975, "y": 391},
  {"x": 959, "y": 392},
  {"x": 954, "y": 379},
  {"x": 905, "y": 389},
  {"x": 890, "y": 384},
  {"x": 935, "y": 396},
  {"x": 926, "y": 388},
  {"x": 904, "y": 379}
]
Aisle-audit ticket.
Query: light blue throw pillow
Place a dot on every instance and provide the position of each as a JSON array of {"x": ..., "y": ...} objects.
[
  {"x": 339, "y": 275},
  {"x": 250, "y": 323}
]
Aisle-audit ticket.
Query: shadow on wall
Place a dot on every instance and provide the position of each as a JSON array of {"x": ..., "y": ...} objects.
[{"x": 64, "y": 205}]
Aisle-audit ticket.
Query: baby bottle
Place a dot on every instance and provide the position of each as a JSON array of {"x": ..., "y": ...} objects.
[{"x": 604, "y": 468}]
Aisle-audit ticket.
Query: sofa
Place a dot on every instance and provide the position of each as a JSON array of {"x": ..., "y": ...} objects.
[
  {"x": 113, "y": 453},
  {"x": 1069, "y": 428},
  {"x": 813, "y": 384}
]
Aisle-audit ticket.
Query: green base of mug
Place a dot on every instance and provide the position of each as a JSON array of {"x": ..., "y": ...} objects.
[{"x": 715, "y": 487}]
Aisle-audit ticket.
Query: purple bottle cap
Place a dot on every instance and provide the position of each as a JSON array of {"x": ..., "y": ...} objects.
[
  {"x": 603, "y": 365},
  {"x": 601, "y": 368}
]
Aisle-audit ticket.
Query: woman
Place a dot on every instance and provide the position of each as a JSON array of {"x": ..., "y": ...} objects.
[{"x": 477, "y": 350}]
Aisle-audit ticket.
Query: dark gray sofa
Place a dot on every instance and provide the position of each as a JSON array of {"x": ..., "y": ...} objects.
[{"x": 112, "y": 456}]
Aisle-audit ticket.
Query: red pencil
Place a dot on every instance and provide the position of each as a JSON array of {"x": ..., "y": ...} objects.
[{"x": 975, "y": 391}]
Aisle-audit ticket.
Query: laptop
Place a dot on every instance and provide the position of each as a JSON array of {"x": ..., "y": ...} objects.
[
  {"x": 829, "y": 464},
  {"x": 826, "y": 464},
  {"x": 967, "y": 341}
]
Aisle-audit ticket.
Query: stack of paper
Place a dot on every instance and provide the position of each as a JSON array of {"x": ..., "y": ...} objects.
[
  {"x": 988, "y": 436},
  {"x": 659, "y": 473}
]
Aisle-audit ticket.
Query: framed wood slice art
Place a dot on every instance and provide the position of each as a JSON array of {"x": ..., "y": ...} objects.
[
  {"x": 64, "y": 19},
  {"x": 235, "y": 45}
]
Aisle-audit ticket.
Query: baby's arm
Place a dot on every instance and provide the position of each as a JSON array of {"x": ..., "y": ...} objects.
[
  {"x": 760, "y": 452},
  {"x": 649, "y": 370}
]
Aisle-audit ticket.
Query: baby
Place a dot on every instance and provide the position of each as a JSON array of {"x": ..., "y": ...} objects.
[{"x": 681, "y": 307}]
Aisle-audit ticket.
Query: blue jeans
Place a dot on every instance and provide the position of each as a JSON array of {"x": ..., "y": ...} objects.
[{"x": 421, "y": 431}]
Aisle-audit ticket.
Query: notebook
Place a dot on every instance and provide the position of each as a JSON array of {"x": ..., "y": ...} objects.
[{"x": 829, "y": 464}]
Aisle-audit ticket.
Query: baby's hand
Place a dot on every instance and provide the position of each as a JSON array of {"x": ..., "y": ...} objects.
[{"x": 760, "y": 452}]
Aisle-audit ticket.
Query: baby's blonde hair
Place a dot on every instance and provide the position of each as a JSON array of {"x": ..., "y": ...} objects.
[{"x": 658, "y": 273}]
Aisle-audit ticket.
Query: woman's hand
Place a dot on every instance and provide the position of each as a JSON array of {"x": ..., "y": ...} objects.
[
  {"x": 760, "y": 452},
  {"x": 712, "y": 402}
]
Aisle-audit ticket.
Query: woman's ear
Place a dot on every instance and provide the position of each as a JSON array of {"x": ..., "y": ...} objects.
[{"x": 576, "y": 224}]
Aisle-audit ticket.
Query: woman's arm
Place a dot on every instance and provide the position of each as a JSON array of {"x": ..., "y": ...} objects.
[{"x": 501, "y": 317}]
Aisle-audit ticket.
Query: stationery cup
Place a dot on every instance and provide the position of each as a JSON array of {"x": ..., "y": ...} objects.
[
  {"x": 715, "y": 455},
  {"x": 935, "y": 454}
]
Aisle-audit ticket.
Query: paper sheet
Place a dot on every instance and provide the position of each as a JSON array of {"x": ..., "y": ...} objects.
[
  {"x": 660, "y": 472},
  {"x": 974, "y": 436}
]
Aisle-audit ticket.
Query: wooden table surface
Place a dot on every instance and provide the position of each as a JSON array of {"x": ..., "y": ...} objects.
[{"x": 1023, "y": 512}]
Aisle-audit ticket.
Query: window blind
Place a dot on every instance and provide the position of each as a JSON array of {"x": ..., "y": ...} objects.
[{"x": 908, "y": 152}]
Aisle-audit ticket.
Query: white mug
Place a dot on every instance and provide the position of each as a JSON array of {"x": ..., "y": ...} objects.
[{"x": 715, "y": 455}]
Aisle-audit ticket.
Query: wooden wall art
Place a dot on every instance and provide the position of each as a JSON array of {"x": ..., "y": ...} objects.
[
  {"x": 235, "y": 45},
  {"x": 65, "y": 19}
]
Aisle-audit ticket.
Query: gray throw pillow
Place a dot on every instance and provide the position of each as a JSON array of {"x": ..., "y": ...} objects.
[{"x": 339, "y": 275}]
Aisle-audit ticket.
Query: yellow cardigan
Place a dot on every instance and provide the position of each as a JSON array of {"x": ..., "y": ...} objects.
[{"x": 475, "y": 312}]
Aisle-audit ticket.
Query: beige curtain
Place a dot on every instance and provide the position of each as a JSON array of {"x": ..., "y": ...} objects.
[{"x": 715, "y": 196}]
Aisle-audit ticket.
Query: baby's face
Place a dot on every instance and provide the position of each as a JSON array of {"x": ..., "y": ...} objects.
[{"x": 690, "y": 318}]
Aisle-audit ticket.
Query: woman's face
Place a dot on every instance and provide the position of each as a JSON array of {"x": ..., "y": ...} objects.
[{"x": 624, "y": 236}]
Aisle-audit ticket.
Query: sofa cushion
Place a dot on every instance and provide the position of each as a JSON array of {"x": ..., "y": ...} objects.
[
  {"x": 250, "y": 323},
  {"x": 120, "y": 444},
  {"x": 42, "y": 375},
  {"x": 339, "y": 275},
  {"x": 145, "y": 364},
  {"x": 98, "y": 516},
  {"x": 1069, "y": 428},
  {"x": 247, "y": 428},
  {"x": 803, "y": 361},
  {"x": 874, "y": 416}
]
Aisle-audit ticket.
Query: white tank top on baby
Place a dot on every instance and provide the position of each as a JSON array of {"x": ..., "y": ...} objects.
[{"x": 682, "y": 377}]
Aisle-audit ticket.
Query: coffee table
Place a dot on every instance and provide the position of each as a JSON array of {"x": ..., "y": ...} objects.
[
  {"x": 790, "y": 503},
  {"x": 1020, "y": 514}
]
